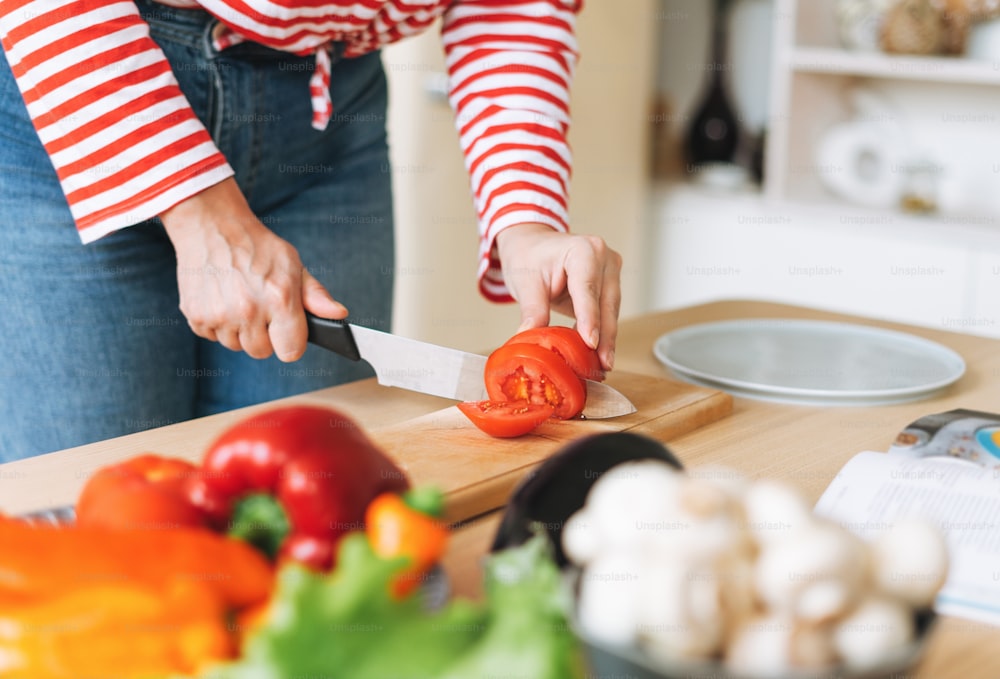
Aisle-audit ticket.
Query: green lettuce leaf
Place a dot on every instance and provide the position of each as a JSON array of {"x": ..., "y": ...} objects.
[
  {"x": 527, "y": 632},
  {"x": 345, "y": 624}
]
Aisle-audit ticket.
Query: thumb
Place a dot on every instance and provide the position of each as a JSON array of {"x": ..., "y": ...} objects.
[{"x": 318, "y": 301}]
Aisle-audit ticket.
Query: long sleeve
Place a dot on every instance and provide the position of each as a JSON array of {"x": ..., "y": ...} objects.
[
  {"x": 126, "y": 145},
  {"x": 510, "y": 64},
  {"x": 121, "y": 135}
]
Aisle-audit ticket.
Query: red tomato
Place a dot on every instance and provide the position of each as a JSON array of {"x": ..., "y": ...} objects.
[
  {"x": 568, "y": 344},
  {"x": 506, "y": 420},
  {"x": 146, "y": 491},
  {"x": 529, "y": 372}
]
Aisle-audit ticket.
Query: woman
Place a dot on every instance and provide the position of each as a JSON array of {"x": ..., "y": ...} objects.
[{"x": 180, "y": 179}]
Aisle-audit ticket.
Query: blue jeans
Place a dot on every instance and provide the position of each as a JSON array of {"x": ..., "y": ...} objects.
[{"x": 92, "y": 344}]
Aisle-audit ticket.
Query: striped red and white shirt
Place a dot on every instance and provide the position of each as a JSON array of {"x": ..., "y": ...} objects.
[{"x": 126, "y": 145}]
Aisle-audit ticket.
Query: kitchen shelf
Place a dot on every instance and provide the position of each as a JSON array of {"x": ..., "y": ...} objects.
[
  {"x": 837, "y": 61},
  {"x": 806, "y": 238},
  {"x": 940, "y": 112}
]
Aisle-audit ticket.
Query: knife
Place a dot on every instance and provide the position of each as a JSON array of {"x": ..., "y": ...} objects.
[{"x": 432, "y": 369}]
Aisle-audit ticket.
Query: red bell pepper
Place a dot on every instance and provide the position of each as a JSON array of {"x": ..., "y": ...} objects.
[{"x": 292, "y": 481}]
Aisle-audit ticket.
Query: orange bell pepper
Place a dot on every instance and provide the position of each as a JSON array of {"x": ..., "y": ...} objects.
[
  {"x": 408, "y": 526},
  {"x": 125, "y": 630},
  {"x": 38, "y": 562},
  {"x": 89, "y": 602}
]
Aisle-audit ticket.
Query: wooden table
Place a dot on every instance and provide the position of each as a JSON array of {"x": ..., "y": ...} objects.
[{"x": 802, "y": 445}]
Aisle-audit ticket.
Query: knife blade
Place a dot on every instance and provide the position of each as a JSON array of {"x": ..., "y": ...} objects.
[{"x": 432, "y": 369}]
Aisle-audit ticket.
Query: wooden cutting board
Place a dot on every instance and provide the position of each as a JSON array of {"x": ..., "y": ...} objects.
[{"x": 478, "y": 472}]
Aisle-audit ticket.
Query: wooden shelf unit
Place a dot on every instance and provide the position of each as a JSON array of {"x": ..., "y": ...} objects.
[{"x": 948, "y": 108}]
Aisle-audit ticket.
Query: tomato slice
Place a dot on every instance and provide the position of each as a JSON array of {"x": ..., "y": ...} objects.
[
  {"x": 568, "y": 344},
  {"x": 505, "y": 419},
  {"x": 529, "y": 372}
]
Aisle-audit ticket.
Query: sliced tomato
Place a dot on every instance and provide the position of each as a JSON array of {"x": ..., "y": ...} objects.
[
  {"x": 568, "y": 344},
  {"x": 504, "y": 419},
  {"x": 529, "y": 372}
]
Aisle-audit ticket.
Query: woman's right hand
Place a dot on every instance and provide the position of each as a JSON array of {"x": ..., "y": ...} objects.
[{"x": 239, "y": 283}]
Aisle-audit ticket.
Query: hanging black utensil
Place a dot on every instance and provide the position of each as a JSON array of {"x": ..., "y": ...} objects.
[{"x": 714, "y": 133}]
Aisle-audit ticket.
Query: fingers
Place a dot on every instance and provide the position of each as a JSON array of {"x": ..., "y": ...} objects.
[
  {"x": 584, "y": 282},
  {"x": 239, "y": 283},
  {"x": 318, "y": 301},
  {"x": 260, "y": 318},
  {"x": 532, "y": 295},
  {"x": 248, "y": 334},
  {"x": 533, "y": 298},
  {"x": 287, "y": 327},
  {"x": 229, "y": 338},
  {"x": 593, "y": 280},
  {"x": 607, "y": 299},
  {"x": 611, "y": 297},
  {"x": 255, "y": 340},
  {"x": 572, "y": 274}
]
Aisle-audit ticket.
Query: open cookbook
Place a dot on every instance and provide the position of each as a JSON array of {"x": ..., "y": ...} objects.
[{"x": 944, "y": 468}]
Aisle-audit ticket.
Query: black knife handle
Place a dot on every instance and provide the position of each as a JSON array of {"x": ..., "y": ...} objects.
[{"x": 333, "y": 335}]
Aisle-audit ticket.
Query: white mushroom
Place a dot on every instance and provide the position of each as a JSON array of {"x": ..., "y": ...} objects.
[
  {"x": 628, "y": 499},
  {"x": 825, "y": 554},
  {"x": 709, "y": 565},
  {"x": 685, "y": 538},
  {"x": 775, "y": 511},
  {"x": 877, "y": 628},
  {"x": 702, "y": 523},
  {"x": 777, "y": 645},
  {"x": 738, "y": 597},
  {"x": 610, "y": 591},
  {"x": 680, "y": 616},
  {"x": 910, "y": 562},
  {"x": 825, "y": 600},
  {"x": 693, "y": 602},
  {"x": 580, "y": 540}
]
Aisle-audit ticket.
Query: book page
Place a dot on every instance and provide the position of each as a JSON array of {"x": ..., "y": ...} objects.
[{"x": 873, "y": 490}]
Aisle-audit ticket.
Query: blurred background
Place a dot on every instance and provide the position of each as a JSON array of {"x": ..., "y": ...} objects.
[{"x": 841, "y": 154}]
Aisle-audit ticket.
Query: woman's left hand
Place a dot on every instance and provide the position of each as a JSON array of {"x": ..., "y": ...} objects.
[{"x": 576, "y": 275}]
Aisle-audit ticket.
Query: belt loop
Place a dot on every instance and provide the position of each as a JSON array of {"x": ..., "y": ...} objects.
[{"x": 208, "y": 39}]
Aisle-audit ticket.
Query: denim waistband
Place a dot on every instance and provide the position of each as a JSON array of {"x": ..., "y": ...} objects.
[
  {"x": 195, "y": 27},
  {"x": 191, "y": 27}
]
